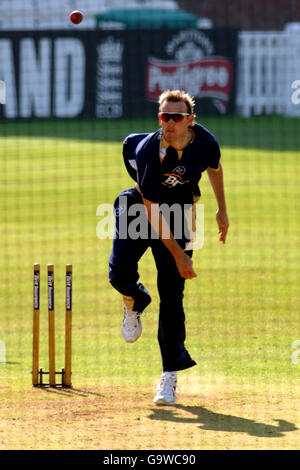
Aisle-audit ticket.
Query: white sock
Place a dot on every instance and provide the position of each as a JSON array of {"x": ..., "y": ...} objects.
[{"x": 170, "y": 373}]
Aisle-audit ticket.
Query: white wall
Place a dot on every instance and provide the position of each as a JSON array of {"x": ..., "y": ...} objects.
[{"x": 268, "y": 65}]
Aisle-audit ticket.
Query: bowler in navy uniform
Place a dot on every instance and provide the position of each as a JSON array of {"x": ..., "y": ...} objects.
[{"x": 167, "y": 166}]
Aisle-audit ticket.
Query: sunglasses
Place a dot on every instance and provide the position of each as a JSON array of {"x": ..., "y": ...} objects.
[{"x": 177, "y": 117}]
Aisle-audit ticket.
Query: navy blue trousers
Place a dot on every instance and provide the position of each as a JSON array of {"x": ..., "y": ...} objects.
[{"x": 124, "y": 277}]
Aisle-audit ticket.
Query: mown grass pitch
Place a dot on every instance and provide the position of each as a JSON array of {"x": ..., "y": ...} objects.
[{"x": 242, "y": 309}]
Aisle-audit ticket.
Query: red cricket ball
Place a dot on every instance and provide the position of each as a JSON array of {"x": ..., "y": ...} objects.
[{"x": 76, "y": 17}]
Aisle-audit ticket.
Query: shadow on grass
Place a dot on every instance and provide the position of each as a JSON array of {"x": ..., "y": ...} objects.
[
  {"x": 70, "y": 392},
  {"x": 211, "y": 421},
  {"x": 9, "y": 363}
]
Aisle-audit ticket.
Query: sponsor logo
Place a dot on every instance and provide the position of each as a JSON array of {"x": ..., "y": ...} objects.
[
  {"x": 109, "y": 78},
  {"x": 192, "y": 67},
  {"x": 175, "y": 177}
]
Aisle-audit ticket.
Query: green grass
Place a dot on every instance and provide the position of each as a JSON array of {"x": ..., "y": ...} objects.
[
  {"x": 263, "y": 132},
  {"x": 242, "y": 310}
]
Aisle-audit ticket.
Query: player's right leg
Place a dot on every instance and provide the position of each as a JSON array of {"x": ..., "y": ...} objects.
[{"x": 123, "y": 267}]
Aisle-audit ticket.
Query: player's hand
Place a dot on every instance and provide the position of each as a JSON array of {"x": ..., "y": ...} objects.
[
  {"x": 223, "y": 224},
  {"x": 185, "y": 266}
]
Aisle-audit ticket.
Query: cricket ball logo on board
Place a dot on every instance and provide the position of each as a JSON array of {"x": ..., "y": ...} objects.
[{"x": 192, "y": 67}]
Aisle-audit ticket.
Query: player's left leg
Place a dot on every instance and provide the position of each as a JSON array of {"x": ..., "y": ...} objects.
[{"x": 171, "y": 328}]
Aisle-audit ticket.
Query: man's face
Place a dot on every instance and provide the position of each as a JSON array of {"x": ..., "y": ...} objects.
[{"x": 175, "y": 131}]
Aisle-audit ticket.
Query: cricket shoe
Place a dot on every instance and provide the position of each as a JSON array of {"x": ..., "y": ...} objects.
[
  {"x": 166, "y": 389},
  {"x": 131, "y": 326}
]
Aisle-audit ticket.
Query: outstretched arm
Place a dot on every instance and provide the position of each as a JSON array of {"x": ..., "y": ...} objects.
[{"x": 217, "y": 183}]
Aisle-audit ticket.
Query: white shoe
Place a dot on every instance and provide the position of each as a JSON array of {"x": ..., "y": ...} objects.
[
  {"x": 166, "y": 394},
  {"x": 131, "y": 326}
]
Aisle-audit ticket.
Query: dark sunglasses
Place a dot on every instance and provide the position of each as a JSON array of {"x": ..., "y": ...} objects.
[{"x": 177, "y": 117}]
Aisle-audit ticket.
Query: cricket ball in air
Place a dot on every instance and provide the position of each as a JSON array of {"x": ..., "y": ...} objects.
[{"x": 76, "y": 17}]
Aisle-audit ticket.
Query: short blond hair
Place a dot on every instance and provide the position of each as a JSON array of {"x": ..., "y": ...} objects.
[{"x": 176, "y": 96}]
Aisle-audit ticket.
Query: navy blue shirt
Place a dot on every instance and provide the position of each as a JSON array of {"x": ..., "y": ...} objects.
[{"x": 176, "y": 182}]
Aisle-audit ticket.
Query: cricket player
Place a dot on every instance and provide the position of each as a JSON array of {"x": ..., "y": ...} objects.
[{"x": 167, "y": 166}]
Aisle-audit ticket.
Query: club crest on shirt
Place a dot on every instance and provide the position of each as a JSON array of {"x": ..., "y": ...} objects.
[{"x": 180, "y": 170}]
